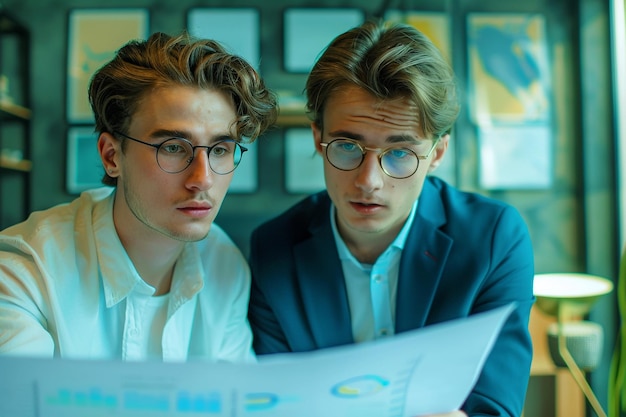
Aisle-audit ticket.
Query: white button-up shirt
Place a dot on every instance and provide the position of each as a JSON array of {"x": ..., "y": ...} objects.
[
  {"x": 372, "y": 289},
  {"x": 68, "y": 289}
]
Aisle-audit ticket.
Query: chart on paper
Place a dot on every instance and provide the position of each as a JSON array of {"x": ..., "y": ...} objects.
[{"x": 379, "y": 393}]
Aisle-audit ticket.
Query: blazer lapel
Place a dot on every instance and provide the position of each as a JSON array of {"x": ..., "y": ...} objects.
[
  {"x": 423, "y": 259},
  {"x": 322, "y": 285}
]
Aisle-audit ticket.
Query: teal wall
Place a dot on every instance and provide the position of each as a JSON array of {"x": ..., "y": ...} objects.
[{"x": 573, "y": 223}]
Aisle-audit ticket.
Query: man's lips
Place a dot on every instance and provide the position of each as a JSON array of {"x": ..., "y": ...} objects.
[
  {"x": 366, "y": 207},
  {"x": 196, "y": 209}
]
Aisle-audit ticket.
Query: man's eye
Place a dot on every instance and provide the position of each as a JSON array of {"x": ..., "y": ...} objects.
[
  {"x": 347, "y": 146},
  {"x": 399, "y": 153},
  {"x": 220, "y": 151},
  {"x": 173, "y": 148}
]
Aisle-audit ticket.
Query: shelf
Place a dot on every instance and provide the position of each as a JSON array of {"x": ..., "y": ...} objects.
[
  {"x": 14, "y": 110},
  {"x": 23, "y": 165},
  {"x": 293, "y": 118},
  {"x": 15, "y": 121}
]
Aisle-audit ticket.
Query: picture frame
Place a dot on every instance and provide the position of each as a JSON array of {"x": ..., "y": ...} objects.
[
  {"x": 94, "y": 35},
  {"x": 307, "y": 32},
  {"x": 237, "y": 29},
  {"x": 304, "y": 167},
  {"x": 515, "y": 157},
  {"x": 509, "y": 74},
  {"x": 84, "y": 169}
]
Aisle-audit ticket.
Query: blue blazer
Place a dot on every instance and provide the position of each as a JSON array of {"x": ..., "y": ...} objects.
[{"x": 464, "y": 254}]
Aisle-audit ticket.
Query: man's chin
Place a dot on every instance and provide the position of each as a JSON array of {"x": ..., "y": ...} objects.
[{"x": 191, "y": 235}]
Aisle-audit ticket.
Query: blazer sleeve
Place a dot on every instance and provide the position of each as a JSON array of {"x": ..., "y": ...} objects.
[
  {"x": 269, "y": 336},
  {"x": 501, "y": 387}
]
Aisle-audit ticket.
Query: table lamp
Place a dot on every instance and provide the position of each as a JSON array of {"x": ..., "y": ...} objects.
[{"x": 574, "y": 343}]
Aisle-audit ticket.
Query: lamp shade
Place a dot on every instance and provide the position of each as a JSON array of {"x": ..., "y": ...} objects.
[{"x": 572, "y": 291}]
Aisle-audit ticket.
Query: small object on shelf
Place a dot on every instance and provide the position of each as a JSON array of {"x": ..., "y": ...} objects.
[
  {"x": 14, "y": 110},
  {"x": 292, "y": 110},
  {"x": 22, "y": 165},
  {"x": 14, "y": 159}
]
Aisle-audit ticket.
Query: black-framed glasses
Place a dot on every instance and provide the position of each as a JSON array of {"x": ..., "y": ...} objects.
[
  {"x": 174, "y": 155},
  {"x": 397, "y": 162}
]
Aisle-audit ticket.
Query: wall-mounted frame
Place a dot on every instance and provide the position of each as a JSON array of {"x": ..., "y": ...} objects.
[
  {"x": 304, "y": 167},
  {"x": 93, "y": 37},
  {"x": 510, "y": 99},
  {"x": 509, "y": 75},
  {"x": 246, "y": 178},
  {"x": 84, "y": 168},
  {"x": 307, "y": 31},
  {"x": 435, "y": 25},
  {"x": 237, "y": 29},
  {"x": 515, "y": 157}
]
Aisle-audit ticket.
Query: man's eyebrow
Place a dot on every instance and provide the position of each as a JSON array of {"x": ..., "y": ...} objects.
[
  {"x": 403, "y": 138},
  {"x": 169, "y": 133},
  {"x": 389, "y": 139},
  {"x": 345, "y": 134}
]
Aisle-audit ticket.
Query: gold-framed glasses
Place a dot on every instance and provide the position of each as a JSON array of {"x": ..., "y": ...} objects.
[{"x": 397, "y": 162}]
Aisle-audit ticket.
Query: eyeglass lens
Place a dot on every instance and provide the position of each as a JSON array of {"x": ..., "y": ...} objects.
[{"x": 176, "y": 154}]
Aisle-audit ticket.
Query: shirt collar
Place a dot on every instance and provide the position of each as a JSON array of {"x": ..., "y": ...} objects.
[{"x": 119, "y": 276}]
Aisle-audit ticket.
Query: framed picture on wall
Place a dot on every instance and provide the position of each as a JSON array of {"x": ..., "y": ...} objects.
[
  {"x": 509, "y": 74},
  {"x": 237, "y": 29},
  {"x": 510, "y": 99},
  {"x": 94, "y": 35},
  {"x": 84, "y": 168},
  {"x": 304, "y": 168},
  {"x": 308, "y": 31},
  {"x": 515, "y": 157}
]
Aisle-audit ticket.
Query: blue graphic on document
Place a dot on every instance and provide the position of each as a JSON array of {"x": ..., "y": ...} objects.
[{"x": 359, "y": 386}]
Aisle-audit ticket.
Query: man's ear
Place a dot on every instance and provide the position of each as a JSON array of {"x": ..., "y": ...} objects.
[
  {"x": 317, "y": 137},
  {"x": 439, "y": 152},
  {"x": 109, "y": 149}
]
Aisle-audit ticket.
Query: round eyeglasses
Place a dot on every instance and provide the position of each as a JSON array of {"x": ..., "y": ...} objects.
[
  {"x": 174, "y": 155},
  {"x": 397, "y": 162}
]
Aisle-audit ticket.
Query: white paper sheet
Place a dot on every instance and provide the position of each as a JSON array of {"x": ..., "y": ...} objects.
[{"x": 430, "y": 370}]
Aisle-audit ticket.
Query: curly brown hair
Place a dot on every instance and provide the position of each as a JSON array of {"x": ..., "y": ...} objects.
[{"x": 138, "y": 67}]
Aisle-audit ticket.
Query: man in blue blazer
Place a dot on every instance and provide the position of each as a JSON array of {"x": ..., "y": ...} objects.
[{"x": 388, "y": 248}]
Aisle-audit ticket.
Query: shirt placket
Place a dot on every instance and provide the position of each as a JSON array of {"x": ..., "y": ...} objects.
[
  {"x": 381, "y": 306},
  {"x": 131, "y": 344}
]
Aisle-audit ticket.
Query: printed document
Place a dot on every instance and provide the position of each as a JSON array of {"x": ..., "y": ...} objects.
[{"x": 425, "y": 371}]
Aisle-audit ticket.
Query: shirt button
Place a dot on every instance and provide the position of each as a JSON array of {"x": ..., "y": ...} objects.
[
  {"x": 383, "y": 332},
  {"x": 134, "y": 332},
  {"x": 378, "y": 279}
]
